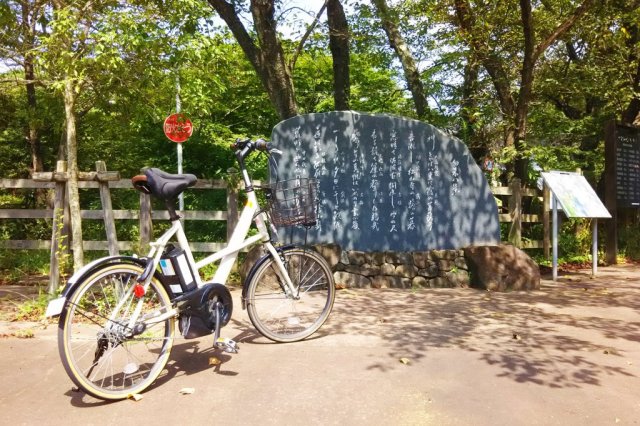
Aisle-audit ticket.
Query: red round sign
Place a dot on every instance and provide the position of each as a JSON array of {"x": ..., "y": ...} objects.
[{"x": 178, "y": 127}]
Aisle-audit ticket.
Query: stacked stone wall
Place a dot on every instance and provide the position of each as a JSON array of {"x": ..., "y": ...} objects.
[{"x": 419, "y": 269}]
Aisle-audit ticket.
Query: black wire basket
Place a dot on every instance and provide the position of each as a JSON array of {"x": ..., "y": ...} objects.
[{"x": 292, "y": 202}]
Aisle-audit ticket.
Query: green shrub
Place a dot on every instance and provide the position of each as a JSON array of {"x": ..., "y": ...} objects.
[{"x": 630, "y": 241}]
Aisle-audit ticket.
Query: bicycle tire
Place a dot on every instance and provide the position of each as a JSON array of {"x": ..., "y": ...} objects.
[
  {"x": 284, "y": 317},
  {"x": 95, "y": 351}
]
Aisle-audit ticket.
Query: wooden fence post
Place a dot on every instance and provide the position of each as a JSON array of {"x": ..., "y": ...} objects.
[
  {"x": 515, "y": 211},
  {"x": 107, "y": 209},
  {"x": 146, "y": 224},
  {"x": 232, "y": 201},
  {"x": 58, "y": 236}
]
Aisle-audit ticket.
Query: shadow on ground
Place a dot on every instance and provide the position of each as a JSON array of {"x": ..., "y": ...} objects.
[{"x": 568, "y": 334}]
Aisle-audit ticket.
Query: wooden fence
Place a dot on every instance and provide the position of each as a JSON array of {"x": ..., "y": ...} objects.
[
  {"x": 104, "y": 181},
  {"x": 511, "y": 212}
]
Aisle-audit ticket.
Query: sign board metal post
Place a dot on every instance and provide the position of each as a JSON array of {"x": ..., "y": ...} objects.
[
  {"x": 554, "y": 240},
  {"x": 577, "y": 199},
  {"x": 594, "y": 247}
]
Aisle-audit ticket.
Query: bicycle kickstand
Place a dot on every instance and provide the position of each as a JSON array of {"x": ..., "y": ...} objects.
[{"x": 224, "y": 343}]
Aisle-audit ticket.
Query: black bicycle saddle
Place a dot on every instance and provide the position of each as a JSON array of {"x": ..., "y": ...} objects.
[{"x": 161, "y": 184}]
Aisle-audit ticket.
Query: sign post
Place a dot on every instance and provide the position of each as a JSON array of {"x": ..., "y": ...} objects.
[{"x": 577, "y": 199}]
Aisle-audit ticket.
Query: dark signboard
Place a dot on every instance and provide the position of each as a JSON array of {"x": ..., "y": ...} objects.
[
  {"x": 387, "y": 183},
  {"x": 627, "y": 149}
]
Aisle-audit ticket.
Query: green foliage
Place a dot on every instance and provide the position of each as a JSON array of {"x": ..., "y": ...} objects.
[
  {"x": 574, "y": 238},
  {"x": 17, "y": 264},
  {"x": 126, "y": 59},
  {"x": 630, "y": 241},
  {"x": 32, "y": 310}
]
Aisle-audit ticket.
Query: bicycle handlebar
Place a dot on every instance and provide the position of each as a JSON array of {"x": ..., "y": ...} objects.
[{"x": 259, "y": 144}]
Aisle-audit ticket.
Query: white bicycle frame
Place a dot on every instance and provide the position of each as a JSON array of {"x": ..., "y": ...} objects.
[{"x": 227, "y": 256}]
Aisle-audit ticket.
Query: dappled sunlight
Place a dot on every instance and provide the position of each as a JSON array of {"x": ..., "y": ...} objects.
[
  {"x": 387, "y": 182},
  {"x": 564, "y": 336}
]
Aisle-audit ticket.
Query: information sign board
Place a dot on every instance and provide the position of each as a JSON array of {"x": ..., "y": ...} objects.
[
  {"x": 627, "y": 166},
  {"x": 575, "y": 195}
]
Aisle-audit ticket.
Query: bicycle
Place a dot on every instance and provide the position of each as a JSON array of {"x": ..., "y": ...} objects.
[{"x": 118, "y": 314}]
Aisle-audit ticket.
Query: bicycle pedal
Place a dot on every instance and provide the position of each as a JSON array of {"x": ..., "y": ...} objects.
[{"x": 227, "y": 345}]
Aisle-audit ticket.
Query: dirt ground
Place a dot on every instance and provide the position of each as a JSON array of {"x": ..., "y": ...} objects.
[{"x": 568, "y": 354}]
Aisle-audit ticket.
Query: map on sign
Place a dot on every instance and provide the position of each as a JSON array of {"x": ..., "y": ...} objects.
[{"x": 575, "y": 195}]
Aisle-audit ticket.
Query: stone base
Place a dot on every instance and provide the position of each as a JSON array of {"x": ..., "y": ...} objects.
[
  {"x": 494, "y": 268},
  {"x": 424, "y": 269}
]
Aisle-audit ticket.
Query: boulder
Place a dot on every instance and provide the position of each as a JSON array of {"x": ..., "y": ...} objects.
[
  {"x": 421, "y": 259},
  {"x": 250, "y": 259},
  {"x": 357, "y": 257},
  {"x": 375, "y": 258},
  {"x": 349, "y": 280},
  {"x": 387, "y": 281},
  {"x": 398, "y": 257},
  {"x": 419, "y": 282},
  {"x": 331, "y": 253},
  {"x": 501, "y": 268}
]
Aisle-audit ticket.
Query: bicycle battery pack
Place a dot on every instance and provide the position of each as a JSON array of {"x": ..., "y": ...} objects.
[{"x": 176, "y": 270}]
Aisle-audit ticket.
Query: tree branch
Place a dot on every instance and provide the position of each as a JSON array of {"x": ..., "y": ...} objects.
[
  {"x": 229, "y": 15},
  {"x": 561, "y": 29},
  {"x": 306, "y": 35},
  {"x": 23, "y": 81}
]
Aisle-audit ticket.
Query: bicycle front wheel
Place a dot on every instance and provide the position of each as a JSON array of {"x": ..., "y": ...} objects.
[
  {"x": 101, "y": 353},
  {"x": 281, "y": 315}
]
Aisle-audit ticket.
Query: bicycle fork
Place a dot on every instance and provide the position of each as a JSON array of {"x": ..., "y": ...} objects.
[{"x": 282, "y": 272}]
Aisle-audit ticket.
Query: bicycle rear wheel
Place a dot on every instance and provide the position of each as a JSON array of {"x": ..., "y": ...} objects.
[
  {"x": 284, "y": 317},
  {"x": 100, "y": 353}
]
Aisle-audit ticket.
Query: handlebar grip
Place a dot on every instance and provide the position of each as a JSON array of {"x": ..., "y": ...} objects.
[{"x": 262, "y": 145}]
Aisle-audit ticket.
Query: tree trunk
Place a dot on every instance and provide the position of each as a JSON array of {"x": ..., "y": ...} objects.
[
  {"x": 490, "y": 61},
  {"x": 33, "y": 136},
  {"x": 30, "y": 14},
  {"x": 72, "y": 173},
  {"x": 29, "y": 17},
  {"x": 632, "y": 112},
  {"x": 411, "y": 72},
  {"x": 468, "y": 105},
  {"x": 267, "y": 57},
  {"x": 339, "y": 45}
]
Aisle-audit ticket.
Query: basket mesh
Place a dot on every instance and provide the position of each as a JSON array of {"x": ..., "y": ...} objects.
[{"x": 292, "y": 202}]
